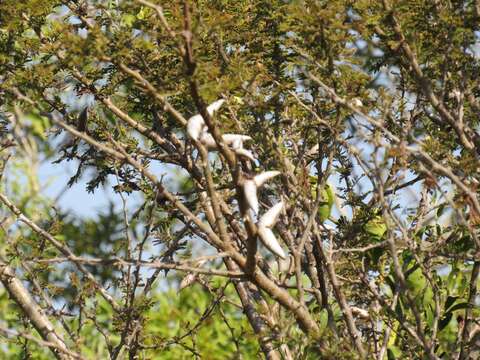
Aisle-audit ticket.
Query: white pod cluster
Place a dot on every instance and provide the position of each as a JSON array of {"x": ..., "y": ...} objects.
[
  {"x": 198, "y": 131},
  {"x": 196, "y": 124}
]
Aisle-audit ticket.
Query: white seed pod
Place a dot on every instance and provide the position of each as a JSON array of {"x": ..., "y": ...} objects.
[
  {"x": 271, "y": 216},
  {"x": 356, "y": 102},
  {"x": 190, "y": 278},
  {"x": 270, "y": 241},
  {"x": 237, "y": 144},
  {"x": 229, "y": 139},
  {"x": 250, "y": 187},
  {"x": 361, "y": 313}
]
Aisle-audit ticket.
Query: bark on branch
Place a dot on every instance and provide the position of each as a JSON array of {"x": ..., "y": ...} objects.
[{"x": 34, "y": 313}]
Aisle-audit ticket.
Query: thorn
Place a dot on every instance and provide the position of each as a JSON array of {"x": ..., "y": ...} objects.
[
  {"x": 196, "y": 123},
  {"x": 250, "y": 188},
  {"x": 270, "y": 241},
  {"x": 250, "y": 192},
  {"x": 271, "y": 216},
  {"x": 245, "y": 153},
  {"x": 214, "y": 106},
  {"x": 195, "y": 126},
  {"x": 262, "y": 178}
]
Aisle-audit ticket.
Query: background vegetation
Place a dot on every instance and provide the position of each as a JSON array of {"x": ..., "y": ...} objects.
[{"x": 369, "y": 109}]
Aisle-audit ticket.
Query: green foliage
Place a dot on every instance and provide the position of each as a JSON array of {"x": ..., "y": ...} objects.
[
  {"x": 376, "y": 227},
  {"x": 406, "y": 66},
  {"x": 217, "y": 332},
  {"x": 327, "y": 199}
]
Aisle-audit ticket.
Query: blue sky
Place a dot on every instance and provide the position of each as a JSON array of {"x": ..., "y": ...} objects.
[{"x": 76, "y": 199}]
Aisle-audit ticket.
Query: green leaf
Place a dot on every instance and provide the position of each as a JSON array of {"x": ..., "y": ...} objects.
[
  {"x": 393, "y": 352},
  {"x": 376, "y": 227},
  {"x": 128, "y": 19},
  {"x": 416, "y": 282},
  {"x": 450, "y": 301},
  {"x": 399, "y": 310},
  {"x": 39, "y": 125},
  {"x": 60, "y": 237},
  {"x": 444, "y": 321},
  {"x": 327, "y": 200},
  {"x": 143, "y": 13},
  {"x": 459, "y": 306},
  {"x": 441, "y": 210}
]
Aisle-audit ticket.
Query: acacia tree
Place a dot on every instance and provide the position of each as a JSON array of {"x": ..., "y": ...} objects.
[{"x": 368, "y": 112}]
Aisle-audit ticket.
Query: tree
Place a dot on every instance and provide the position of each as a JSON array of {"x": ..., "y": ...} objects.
[{"x": 362, "y": 116}]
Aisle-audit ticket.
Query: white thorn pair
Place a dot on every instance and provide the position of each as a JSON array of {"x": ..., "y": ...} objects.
[
  {"x": 264, "y": 229},
  {"x": 196, "y": 123},
  {"x": 250, "y": 188},
  {"x": 198, "y": 131},
  {"x": 237, "y": 146},
  {"x": 229, "y": 139},
  {"x": 233, "y": 140}
]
